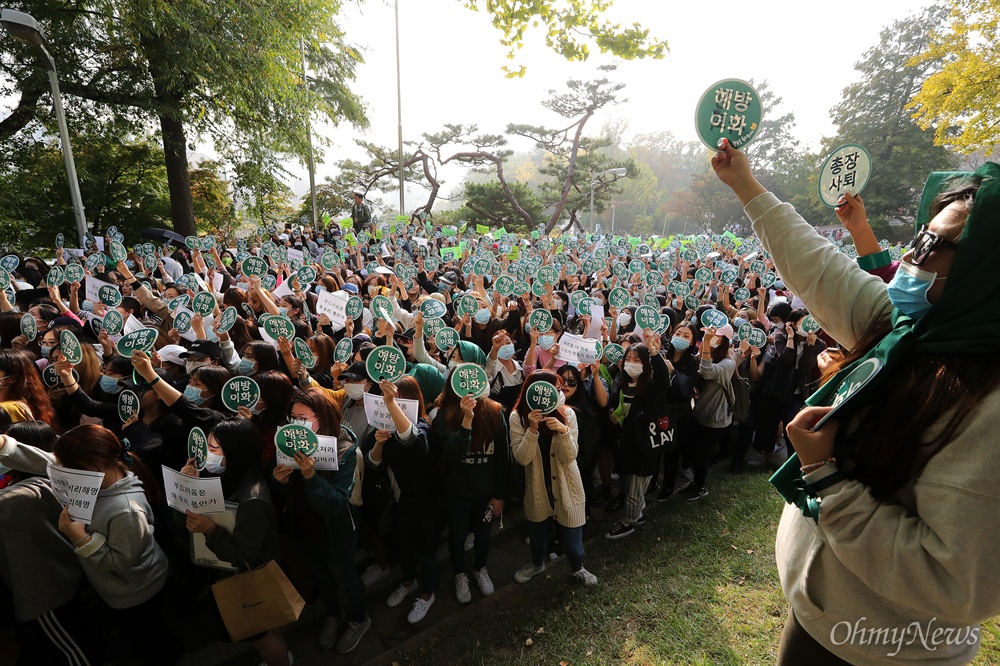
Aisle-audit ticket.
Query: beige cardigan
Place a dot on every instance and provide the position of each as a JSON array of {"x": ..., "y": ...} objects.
[{"x": 567, "y": 486}]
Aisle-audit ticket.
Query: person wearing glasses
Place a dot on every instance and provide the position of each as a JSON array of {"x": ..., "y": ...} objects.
[{"x": 893, "y": 504}]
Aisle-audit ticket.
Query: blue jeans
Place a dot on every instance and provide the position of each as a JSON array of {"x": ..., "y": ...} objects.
[
  {"x": 572, "y": 538},
  {"x": 463, "y": 517}
]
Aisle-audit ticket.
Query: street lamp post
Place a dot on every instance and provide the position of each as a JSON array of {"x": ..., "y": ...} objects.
[
  {"x": 24, "y": 28},
  {"x": 618, "y": 171},
  {"x": 612, "y": 219},
  {"x": 312, "y": 159},
  {"x": 399, "y": 116}
]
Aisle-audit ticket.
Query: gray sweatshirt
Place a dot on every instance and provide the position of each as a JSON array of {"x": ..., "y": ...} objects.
[
  {"x": 36, "y": 561},
  {"x": 713, "y": 408},
  {"x": 900, "y": 581},
  {"x": 122, "y": 560}
]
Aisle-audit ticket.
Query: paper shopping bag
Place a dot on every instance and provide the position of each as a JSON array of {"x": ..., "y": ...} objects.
[{"x": 257, "y": 601}]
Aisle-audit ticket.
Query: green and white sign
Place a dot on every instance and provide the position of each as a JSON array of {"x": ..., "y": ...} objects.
[
  {"x": 240, "y": 392},
  {"x": 647, "y": 318},
  {"x": 193, "y": 242},
  {"x": 618, "y": 297},
  {"x": 74, "y": 273},
  {"x": 254, "y": 266},
  {"x": 846, "y": 169},
  {"x": 715, "y": 318},
  {"x": 703, "y": 275},
  {"x": 382, "y": 307},
  {"x": 117, "y": 251},
  {"x": 109, "y": 295},
  {"x": 756, "y": 337},
  {"x": 614, "y": 353},
  {"x": 55, "y": 276},
  {"x": 691, "y": 302},
  {"x": 51, "y": 378},
  {"x": 504, "y": 285},
  {"x": 730, "y": 109},
  {"x": 279, "y": 326},
  {"x": 227, "y": 319},
  {"x": 542, "y": 396},
  {"x": 466, "y": 305},
  {"x": 343, "y": 351},
  {"x": 768, "y": 279},
  {"x": 292, "y": 439},
  {"x": 143, "y": 340},
  {"x": 540, "y": 320},
  {"x": 682, "y": 289},
  {"x": 128, "y": 405},
  {"x": 757, "y": 266},
  {"x": 70, "y": 347},
  {"x": 742, "y": 294},
  {"x": 547, "y": 275},
  {"x": 197, "y": 447},
  {"x": 432, "y": 326},
  {"x": 182, "y": 322},
  {"x": 446, "y": 339},
  {"x": 809, "y": 324},
  {"x": 433, "y": 309},
  {"x": 306, "y": 275},
  {"x": 10, "y": 263},
  {"x": 203, "y": 304},
  {"x": 29, "y": 329},
  {"x": 60, "y": 240},
  {"x": 852, "y": 383},
  {"x": 303, "y": 353},
  {"x": 113, "y": 322},
  {"x": 385, "y": 362},
  {"x": 689, "y": 255},
  {"x": 470, "y": 379},
  {"x": 178, "y": 302}
]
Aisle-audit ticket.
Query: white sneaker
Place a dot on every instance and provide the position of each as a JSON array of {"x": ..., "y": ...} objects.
[
  {"x": 419, "y": 610},
  {"x": 470, "y": 541},
  {"x": 374, "y": 574},
  {"x": 399, "y": 594},
  {"x": 328, "y": 634},
  {"x": 528, "y": 571},
  {"x": 462, "y": 589},
  {"x": 585, "y": 578},
  {"x": 485, "y": 584}
]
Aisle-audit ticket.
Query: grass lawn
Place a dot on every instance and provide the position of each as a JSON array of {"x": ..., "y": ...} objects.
[{"x": 696, "y": 585}]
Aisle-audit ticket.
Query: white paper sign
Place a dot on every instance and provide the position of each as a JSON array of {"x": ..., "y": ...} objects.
[
  {"x": 94, "y": 286},
  {"x": 189, "y": 493},
  {"x": 333, "y": 306},
  {"x": 325, "y": 456},
  {"x": 76, "y": 490},
  {"x": 378, "y": 414},
  {"x": 571, "y": 346},
  {"x": 217, "y": 280},
  {"x": 283, "y": 289},
  {"x": 201, "y": 554},
  {"x": 295, "y": 255},
  {"x": 596, "y": 321}
]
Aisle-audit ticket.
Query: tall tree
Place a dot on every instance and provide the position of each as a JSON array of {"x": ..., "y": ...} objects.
[
  {"x": 873, "y": 114},
  {"x": 225, "y": 69},
  {"x": 961, "y": 101}
]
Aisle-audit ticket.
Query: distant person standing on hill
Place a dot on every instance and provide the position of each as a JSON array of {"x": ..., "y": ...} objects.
[{"x": 360, "y": 212}]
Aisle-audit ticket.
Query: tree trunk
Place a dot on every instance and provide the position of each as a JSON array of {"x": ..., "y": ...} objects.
[
  {"x": 178, "y": 176},
  {"x": 554, "y": 219}
]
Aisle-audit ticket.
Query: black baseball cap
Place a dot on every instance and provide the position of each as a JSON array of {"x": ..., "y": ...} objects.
[
  {"x": 355, "y": 372},
  {"x": 203, "y": 348}
]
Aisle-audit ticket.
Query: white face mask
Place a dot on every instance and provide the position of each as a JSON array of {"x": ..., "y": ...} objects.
[
  {"x": 355, "y": 391},
  {"x": 561, "y": 400},
  {"x": 633, "y": 370},
  {"x": 452, "y": 364},
  {"x": 214, "y": 464},
  {"x": 305, "y": 423},
  {"x": 191, "y": 366},
  {"x": 624, "y": 319}
]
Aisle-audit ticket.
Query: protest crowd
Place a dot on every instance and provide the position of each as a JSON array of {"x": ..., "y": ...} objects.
[{"x": 326, "y": 409}]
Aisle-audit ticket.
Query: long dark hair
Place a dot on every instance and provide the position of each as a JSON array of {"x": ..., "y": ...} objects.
[
  {"x": 923, "y": 389},
  {"x": 643, "y": 380},
  {"x": 24, "y": 374},
  {"x": 486, "y": 420},
  {"x": 263, "y": 353},
  {"x": 521, "y": 406},
  {"x": 276, "y": 391},
  {"x": 90, "y": 447},
  {"x": 243, "y": 449},
  {"x": 409, "y": 389},
  {"x": 214, "y": 377}
]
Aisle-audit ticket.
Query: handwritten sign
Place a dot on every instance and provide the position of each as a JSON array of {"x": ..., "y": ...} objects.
[
  {"x": 577, "y": 349},
  {"x": 378, "y": 414},
  {"x": 190, "y": 493},
  {"x": 76, "y": 490}
]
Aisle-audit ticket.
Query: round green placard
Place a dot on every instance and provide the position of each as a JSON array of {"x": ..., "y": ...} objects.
[
  {"x": 292, "y": 439},
  {"x": 730, "y": 109}
]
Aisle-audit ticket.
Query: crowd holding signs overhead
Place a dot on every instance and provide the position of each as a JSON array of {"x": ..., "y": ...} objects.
[{"x": 271, "y": 404}]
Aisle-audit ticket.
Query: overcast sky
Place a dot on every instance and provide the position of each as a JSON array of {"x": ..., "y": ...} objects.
[{"x": 451, "y": 60}]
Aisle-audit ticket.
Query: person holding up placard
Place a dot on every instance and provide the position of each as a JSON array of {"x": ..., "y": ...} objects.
[
  {"x": 327, "y": 495},
  {"x": 892, "y": 507},
  {"x": 403, "y": 455},
  {"x": 546, "y": 444},
  {"x": 40, "y": 569},
  {"x": 117, "y": 551},
  {"x": 504, "y": 371},
  {"x": 638, "y": 403},
  {"x": 713, "y": 411},
  {"x": 235, "y": 452},
  {"x": 475, "y": 462},
  {"x": 586, "y": 394}
]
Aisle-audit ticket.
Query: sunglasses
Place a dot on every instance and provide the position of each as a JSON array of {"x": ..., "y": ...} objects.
[
  {"x": 926, "y": 242},
  {"x": 571, "y": 383}
]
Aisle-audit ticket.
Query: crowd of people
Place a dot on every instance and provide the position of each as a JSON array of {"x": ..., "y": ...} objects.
[{"x": 554, "y": 374}]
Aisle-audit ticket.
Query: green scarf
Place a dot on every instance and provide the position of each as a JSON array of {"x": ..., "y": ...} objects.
[{"x": 966, "y": 319}]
